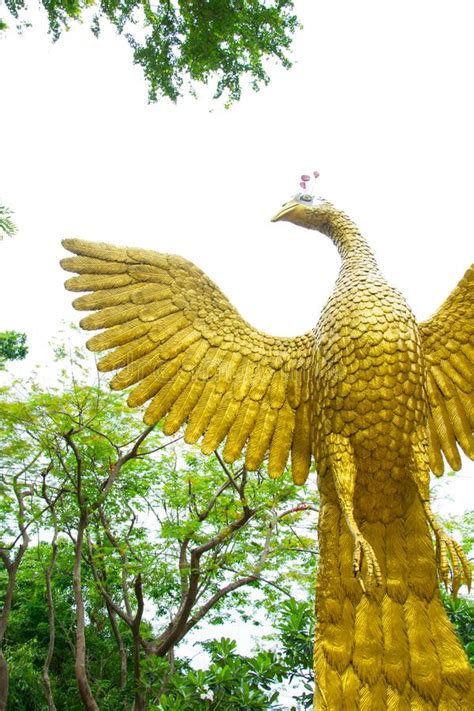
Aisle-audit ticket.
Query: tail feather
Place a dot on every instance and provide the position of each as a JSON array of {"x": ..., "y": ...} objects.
[
  {"x": 392, "y": 648},
  {"x": 338, "y": 636},
  {"x": 372, "y": 697},
  {"x": 455, "y": 668},
  {"x": 368, "y": 641},
  {"x": 396, "y": 654},
  {"x": 422, "y": 574},
  {"x": 350, "y": 689},
  {"x": 396, "y": 701},
  {"x": 396, "y": 561},
  {"x": 425, "y": 669}
]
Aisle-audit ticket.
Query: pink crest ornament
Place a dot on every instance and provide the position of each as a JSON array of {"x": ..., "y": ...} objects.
[{"x": 306, "y": 178}]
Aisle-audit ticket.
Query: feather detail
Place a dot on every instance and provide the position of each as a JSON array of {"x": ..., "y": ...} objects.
[
  {"x": 462, "y": 368},
  {"x": 434, "y": 449},
  {"x": 396, "y": 702},
  {"x": 281, "y": 441},
  {"x": 128, "y": 353},
  {"x": 220, "y": 423},
  {"x": 92, "y": 282},
  {"x": 87, "y": 265},
  {"x": 462, "y": 380},
  {"x": 443, "y": 425},
  {"x": 306, "y": 384},
  {"x": 461, "y": 425},
  {"x": 301, "y": 446},
  {"x": 209, "y": 364},
  {"x": 422, "y": 575},
  {"x": 194, "y": 354},
  {"x": 148, "y": 274},
  {"x": 294, "y": 388},
  {"x": 337, "y": 644},
  {"x": 136, "y": 371},
  {"x": 104, "y": 298},
  {"x": 425, "y": 674},
  {"x": 167, "y": 327},
  {"x": 444, "y": 384},
  {"x": 117, "y": 336},
  {"x": 202, "y": 413},
  {"x": 260, "y": 437},
  {"x": 149, "y": 293},
  {"x": 368, "y": 642},
  {"x": 153, "y": 383},
  {"x": 183, "y": 406},
  {"x": 396, "y": 654},
  {"x": 179, "y": 342},
  {"x": 157, "y": 311},
  {"x": 468, "y": 405},
  {"x": 111, "y": 316},
  {"x": 240, "y": 430},
  {"x": 277, "y": 393},
  {"x": 226, "y": 371},
  {"x": 165, "y": 398},
  {"x": 455, "y": 667},
  {"x": 260, "y": 382},
  {"x": 243, "y": 379},
  {"x": 96, "y": 250},
  {"x": 396, "y": 560},
  {"x": 350, "y": 689},
  {"x": 147, "y": 256}
]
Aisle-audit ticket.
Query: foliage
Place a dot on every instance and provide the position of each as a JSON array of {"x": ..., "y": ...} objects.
[
  {"x": 12, "y": 346},
  {"x": 461, "y": 613},
  {"x": 7, "y": 226},
  {"x": 140, "y": 539},
  {"x": 186, "y": 41}
]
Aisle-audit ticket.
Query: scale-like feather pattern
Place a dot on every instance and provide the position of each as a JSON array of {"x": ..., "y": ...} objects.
[{"x": 161, "y": 313}]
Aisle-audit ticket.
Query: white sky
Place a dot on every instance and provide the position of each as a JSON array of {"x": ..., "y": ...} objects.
[{"x": 379, "y": 101}]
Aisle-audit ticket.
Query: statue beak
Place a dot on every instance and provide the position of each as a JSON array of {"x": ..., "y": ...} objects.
[{"x": 285, "y": 211}]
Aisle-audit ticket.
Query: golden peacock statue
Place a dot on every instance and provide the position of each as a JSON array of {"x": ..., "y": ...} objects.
[{"x": 375, "y": 398}]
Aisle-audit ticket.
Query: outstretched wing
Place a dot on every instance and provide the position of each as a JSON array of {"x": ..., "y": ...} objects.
[
  {"x": 181, "y": 344},
  {"x": 448, "y": 347}
]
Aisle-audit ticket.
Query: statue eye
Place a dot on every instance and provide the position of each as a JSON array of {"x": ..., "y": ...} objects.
[{"x": 306, "y": 198}]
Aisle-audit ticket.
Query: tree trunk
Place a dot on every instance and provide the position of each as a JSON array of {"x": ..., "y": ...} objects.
[
  {"x": 80, "y": 667},
  {"x": 52, "y": 628},
  {"x": 3, "y": 682},
  {"x": 7, "y": 603}
]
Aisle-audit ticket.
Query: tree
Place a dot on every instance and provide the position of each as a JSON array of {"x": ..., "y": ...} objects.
[
  {"x": 187, "y": 41},
  {"x": 135, "y": 517},
  {"x": 12, "y": 346},
  {"x": 7, "y": 226}
]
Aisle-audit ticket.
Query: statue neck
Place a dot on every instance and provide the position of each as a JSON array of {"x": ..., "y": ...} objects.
[{"x": 355, "y": 252}]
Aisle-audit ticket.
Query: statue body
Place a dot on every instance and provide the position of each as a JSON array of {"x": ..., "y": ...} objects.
[
  {"x": 370, "y": 394},
  {"x": 385, "y": 643}
]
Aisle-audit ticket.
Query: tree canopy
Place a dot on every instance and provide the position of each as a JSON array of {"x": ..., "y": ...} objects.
[
  {"x": 179, "y": 44},
  {"x": 12, "y": 346},
  {"x": 116, "y": 542},
  {"x": 7, "y": 226}
]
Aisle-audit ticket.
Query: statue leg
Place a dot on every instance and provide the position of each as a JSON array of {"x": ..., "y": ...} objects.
[
  {"x": 343, "y": 469},
  {"x": 450, "y": 557}
]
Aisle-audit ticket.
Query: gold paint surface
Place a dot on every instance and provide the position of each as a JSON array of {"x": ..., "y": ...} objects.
[{"x": 373, "y": 397}]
